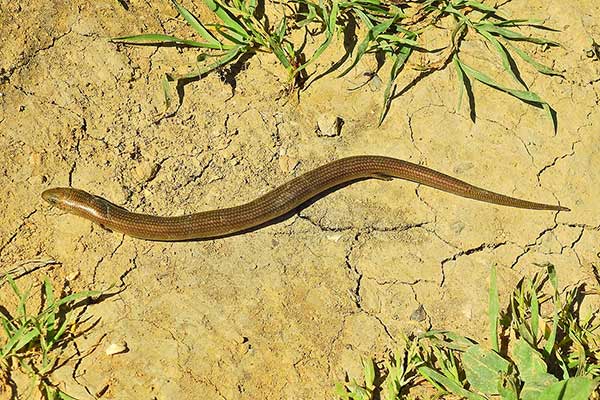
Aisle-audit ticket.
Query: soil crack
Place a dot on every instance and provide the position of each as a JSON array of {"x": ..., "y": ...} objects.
[
  {"x": 468, "y": 252},
  {"x": 556, "y": 160},
  {"x": 16, "y": 232}
]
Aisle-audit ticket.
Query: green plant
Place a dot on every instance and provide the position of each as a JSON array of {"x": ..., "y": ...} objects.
[
  {"x": 385, "y": 32},
  {"x": 497, "y": 32},
  {"x": 394, "y": 27},
  {"x": 34, "y": 343},
  {"x": 240, "y": 32},
  {"x": 534, "y": 354},
  {"x": 391, "y": 29}
]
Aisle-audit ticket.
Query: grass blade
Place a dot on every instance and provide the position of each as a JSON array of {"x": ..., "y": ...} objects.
[
  {"x": 14, "y": 286},
  {"x": 62, "y": 328},
  {"x": 49, "y": 300},
  {"x": 228, "y": 57},
  {"x": 551, "y": 340},
  {"x": 461, "y": 78},
  {"x": 534, "y": 23},
  {"x": 228, "y": 19},
  {"x": 364, "y": 45},
  {"x": 433, "y": 376},
  {"x": 399, "y": 62},
  {"x": 538, "y": 66},
  {"x": 494, "y": 310},
  {"x": 512, "y": 35},
  {"x": 526, "y": 96},
  {"x": 329, "y": 33},
  {"x": 507, "y": 61},
  {"x": 480, "y": 6},
  {"x": 12, "y": 341},
  {"x": 466, "y": 87},
  {"x": 195, "y": 24},
  {"x": 76, "y": 296},
  {"x": 535, "y": 316},
  {"x": 158, "y": 39},
  {"x": 8, "y": 326},
  {"x": 275, "y": 41},
  {"x": 25, "y": 339},
  {"x": 166, "y": 88}
]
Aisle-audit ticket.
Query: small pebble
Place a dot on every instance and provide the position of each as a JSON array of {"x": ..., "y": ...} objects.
[
  {"x": 326, "y": 127},
  {"x": 117, "y": 348},
  {"x": 419, "y": 314},
  {"x": 144, "y": 171},
  {"x": 287, "y": 164},
  {"x": 73, "y": 275},
  {"x": 335, "y": 237}
]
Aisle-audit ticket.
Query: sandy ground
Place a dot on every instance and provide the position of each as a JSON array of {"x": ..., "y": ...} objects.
[{"x": 285, "y": 311}]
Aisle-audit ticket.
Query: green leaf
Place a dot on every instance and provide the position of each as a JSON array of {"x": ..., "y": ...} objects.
[
  {"x": 480, "y": 6},
  {"x": 462, "y": 79},
  {"x": 364, "y": 45},
  {"x": 56, "y": 394},
  {"x": 329, "y": 33},
  {"x": 551, "y": 270},
  {"x": 512, "y": 35},
  {"x": 25, "y": 339},
  {"x": 509, "y": 389},
  {"x": 14, "y": 286},
  {"x": 369, "y": 371},
  {"x": 51, "y": 393},
  {"x": 529, "y": 362},
  {"x": 166, "y": 87},
  {"x": 8, "y": 325},
  {"x": 230, "y": 56},
  {"x": 252, "y": 6},
  {"x": 340, "y": 390},
  {"x": 49, "y": 294},
  {"x": 526, "y": 96},
  {"x": 551, "y": 339},
  {"x": 63, "y": 327},
  {"x": 534, "y": 23},
  {"x": 520, "y": 94},
  {"x": 279, "y": 33},
  {"x": 275, "y": 45},
  {"x": 507, "y": 61},
  {"x": 228, "y": 19},
  {"x": 535, "y": 315},
  {"x": 532, "y": 370},
  {"x": 577, "y": 388},
  {"x": 12, "y": 341},
  {"x": 484, "y": 369},
  {"x": 233, "y": 36},
  {"x": 78, "y": 296},
  {"x": 158, "y": 39},
  {"x": 196, "y": 25},
  {"x": 21, "y": 307},
  {"x": 449, "y": 340},
  {"x": 365, "y": 19},
  {"x": 494, "y": 309},
  {"x": 357, "y": 392},
  {"x": 399, "y": 62},
  {"x": 450, "y": 385},
  {"x": 538, "y": 66},
  {"x": 63, "y": 396}
]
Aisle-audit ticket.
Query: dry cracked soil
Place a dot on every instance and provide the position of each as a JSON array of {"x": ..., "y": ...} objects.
[{"x": 285, "y": 311}]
